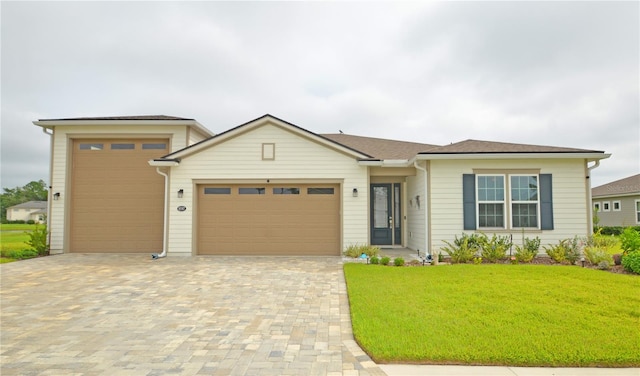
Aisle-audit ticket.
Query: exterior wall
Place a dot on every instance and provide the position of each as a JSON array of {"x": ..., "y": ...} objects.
[
  {"x": 240, "y": 159},
  {"x": 61, "y": 166},
  {"x": 195, "y": 137},
  {"x": 569, "y": 190},
  {"x": 416, "y": 236},
  {"x": 19, "y": 214},
  {"x": 626, "y": 216}
]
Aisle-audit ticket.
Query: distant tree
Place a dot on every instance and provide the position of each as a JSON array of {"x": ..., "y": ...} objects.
[{"x": 33, "y": 191}]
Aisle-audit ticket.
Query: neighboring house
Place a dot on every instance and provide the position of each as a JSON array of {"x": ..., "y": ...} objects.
[
  {"x": 28, "y": 211},
  {"x": 618, "y": 203},
  {"x": 268, "y": 187}
]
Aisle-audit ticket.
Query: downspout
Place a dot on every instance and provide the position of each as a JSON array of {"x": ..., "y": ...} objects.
[
  {"x": 47, "y": 223},
  {"x": 156, "y": 256},
  {"x": 589, "y": 198},
  {"x": 427, "y": 250}
]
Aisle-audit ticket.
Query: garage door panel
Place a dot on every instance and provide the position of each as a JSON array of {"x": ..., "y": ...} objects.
[
  {"x": 116, "y": 198},
  {"x": 269, "y": 223}
]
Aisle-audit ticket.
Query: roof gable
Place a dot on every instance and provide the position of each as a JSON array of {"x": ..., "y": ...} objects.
[
  {"x": 30, "y": 205},
  {"x": 629, "y": 185},
  {"x": 260, "y": 122}
]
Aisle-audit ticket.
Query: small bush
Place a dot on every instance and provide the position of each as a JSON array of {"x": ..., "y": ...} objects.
[
  {"x": 565, "y": 250},
  {"x": 356, "y": 250},
  {"x": 385, "y": 260},
  {"x": 22, "y": 254},
  {"x": 477, "y": 260},
  {"x": 631, "y": 262},
  {"x": 374, "y": 260},
  {"x": 613, "y": 230},
  {"x": 464, "y": 248},
  {"x": 528, "y": 251},
  {"x": 38, "y": 240},
  {"x": 494, "y": 249},
  {"x": 604, "y": 265},
  {"x": 630, "y": 240},
  {"x": 595, "y": 256},
  {"x": 353, "y": 251},
  {"x": 398, "y": 261}
]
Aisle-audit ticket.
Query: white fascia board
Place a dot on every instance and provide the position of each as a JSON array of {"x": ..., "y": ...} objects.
[
  {"x": 385, "y": 163},
  {"x": 613, "y": 195},
  {"x": 166, "y": 163},
  {"x": 588, "y": 156}
]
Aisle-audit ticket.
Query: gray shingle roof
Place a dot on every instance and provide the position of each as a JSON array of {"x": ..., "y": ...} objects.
[
  {"x": 380, "y": 148},
  {"x": 137, "y": 117},
  {"x": 30, "y": 205},
  {"x": 479, "y": 147},
  {"x": 624, "y": 186}
]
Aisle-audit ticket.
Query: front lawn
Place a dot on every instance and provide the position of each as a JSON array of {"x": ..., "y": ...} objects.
[
  {"x": 517, "y": 315},
  {"x": 13, "y": 242}
]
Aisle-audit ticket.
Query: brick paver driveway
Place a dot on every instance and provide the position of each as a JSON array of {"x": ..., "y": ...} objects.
[{"x": 129, "y": 315}]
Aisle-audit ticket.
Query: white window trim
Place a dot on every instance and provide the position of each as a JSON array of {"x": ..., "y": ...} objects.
[
  {"x": 606, "y": 206},
  {"x": 596, "y": 206},
  {"x": 636, "y": 211},
  {"x": 511, "y": 202},
  {"x": 503, "y": 202},
  {"x": 613, "y": 205}
]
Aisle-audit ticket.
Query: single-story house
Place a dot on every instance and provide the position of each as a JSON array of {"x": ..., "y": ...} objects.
[
  {"x": 28, "y": 211},
  {"x": 618, "y": 203},
  {"x": 168, "y": 185}
]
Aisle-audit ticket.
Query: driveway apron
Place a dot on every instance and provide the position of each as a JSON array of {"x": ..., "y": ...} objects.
[{"x": 129, "y": 315}]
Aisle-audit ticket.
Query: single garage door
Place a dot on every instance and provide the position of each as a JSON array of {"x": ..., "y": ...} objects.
[
  {"x": 116, "y": 198},
  {"x": 289, "y": 219}
]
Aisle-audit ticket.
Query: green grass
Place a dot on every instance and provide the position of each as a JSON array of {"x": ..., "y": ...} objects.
[
  {"x": 517, "y": 315},
  {"x": 13, "y": 240}
]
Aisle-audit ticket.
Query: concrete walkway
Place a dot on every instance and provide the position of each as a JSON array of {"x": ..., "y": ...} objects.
[{"x": 129, "y": 315}]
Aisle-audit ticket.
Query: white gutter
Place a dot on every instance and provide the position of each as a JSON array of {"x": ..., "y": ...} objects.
[
  {"x": 156, "y": 256},
  {"x": 44, "y": 130},
  {"x": 163, "y": 163},
  {"x": 427, "y": 251},
  {"x": 588, "y": 156},
  {"x": 589, "y": 197}
]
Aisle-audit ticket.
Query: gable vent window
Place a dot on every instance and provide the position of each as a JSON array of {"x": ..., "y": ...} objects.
[{"x": 268, "y": 152}]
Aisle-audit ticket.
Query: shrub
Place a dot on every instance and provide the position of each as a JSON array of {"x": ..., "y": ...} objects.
[
  {"x": 464, "y": 248},
  {"x": 477, "y": 260},
  {"x": 356, "y": 250},
  {"x": 528, "y": 251},
  {"x": 353, "y": 251},
  {"x": 614, "y": 230},
  {"x": 374, "y": 260},
  {"x": 595, "y": 256},
  {"x": 566, "y": 249},
  {"x": 22, "y": 254},
  {"x": 398, "y": 261},
  {"x": 556, "y": 252},
  {"x": 604, "y": 265},
  {"x": 494, "y": 249},
  {"x": 38, "y": 240},
  {"x": 371, "y": 250},
  {"x": 631, "y": 262},
  {"x": 385, "y": 260},
  {"x": 630, "y": 240}
]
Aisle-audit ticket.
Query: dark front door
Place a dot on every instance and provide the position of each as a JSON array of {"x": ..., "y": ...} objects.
[{"x": 386, "y": 214}]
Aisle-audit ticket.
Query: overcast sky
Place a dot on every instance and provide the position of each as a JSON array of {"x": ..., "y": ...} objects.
[{"x": 548, "y": 73}]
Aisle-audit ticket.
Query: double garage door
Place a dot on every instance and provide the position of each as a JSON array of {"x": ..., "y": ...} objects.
[{"x": 288, "y": 219}]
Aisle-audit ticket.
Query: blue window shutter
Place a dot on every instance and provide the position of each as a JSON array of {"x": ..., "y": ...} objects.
[
  {"x": 546, "y": 202},
  {"x": 469, "y": 201}
]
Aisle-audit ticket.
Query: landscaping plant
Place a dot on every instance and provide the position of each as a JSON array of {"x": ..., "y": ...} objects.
[
  {"x": 494, "y": 249},
  {"x": 385, "y": 260},
  {"x": 565, "y": 250},
  {"x": 38, "y": 240},
  {"x": 630, "y": 240},
  {"x": 464, "y": 248},
  {"x": 398, "y": 261},
  {"x": 529, "y": 249},
  {"x": 597, "y": 256}
]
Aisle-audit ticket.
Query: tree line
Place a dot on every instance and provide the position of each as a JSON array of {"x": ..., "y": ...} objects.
[{"x": 33, "y": 191}]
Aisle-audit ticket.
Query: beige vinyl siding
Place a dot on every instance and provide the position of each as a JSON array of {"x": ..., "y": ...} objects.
[
  {"x": 239, "y": 160},
  {"x": 570, "y": 211},
  {"x": 626, "y": 216},
  {"x": 195, "y": 137},
  {"x": 60, "y": 173},
  {"x": 416, "y": 237}
]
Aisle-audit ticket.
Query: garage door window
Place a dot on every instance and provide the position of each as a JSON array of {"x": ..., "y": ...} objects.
[
  {"x": 123, "y": 146},
  {"x": 286, "y": 191},
  {"x": 91, "y": 146},
  {"x": 154, "y": 146},
  {"x": 217, "y": 191},
  {"x": 251, "y": 191},
  {"x": 319, "y": 191}
]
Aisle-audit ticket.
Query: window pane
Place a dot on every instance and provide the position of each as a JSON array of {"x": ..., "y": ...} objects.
[
  {"x": 286, "y": 191},
  {"x": 490, "y": 188},
  {"x": 319, "y": 191},
  {"x": 491, "y": 215},
  {"x": 91, "y": 146},
  {"x": 525, "y": 215},
  {"x": 154, "y": 146},
  {"x": 123, "y": 146},
  {"x": 217, "y": 191},
  {"x": 251, "y": 191},
  {"x": 524, "y": 188}
]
